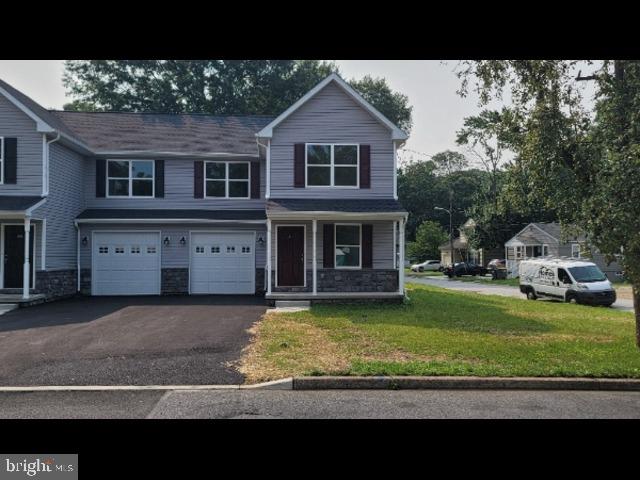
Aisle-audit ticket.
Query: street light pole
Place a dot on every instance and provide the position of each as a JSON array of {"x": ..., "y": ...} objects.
[{"x": 450, "y": 212}]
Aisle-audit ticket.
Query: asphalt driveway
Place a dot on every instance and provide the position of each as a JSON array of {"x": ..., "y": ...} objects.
[{"x": 186, "y": 340}]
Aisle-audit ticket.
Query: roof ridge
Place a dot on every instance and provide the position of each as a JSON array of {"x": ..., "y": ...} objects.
[{"x": 248, "y": 115}]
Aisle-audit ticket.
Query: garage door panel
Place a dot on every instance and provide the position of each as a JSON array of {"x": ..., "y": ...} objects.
[
  {"x": 218, "y": 264},
  {"x": 126, "y": 263}
]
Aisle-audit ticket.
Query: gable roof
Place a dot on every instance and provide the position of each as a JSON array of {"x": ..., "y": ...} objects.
[
  {"x": 45, "y": 120},
  {"x": 170, "y": 134},
  {"x": 396, "y": 133}
]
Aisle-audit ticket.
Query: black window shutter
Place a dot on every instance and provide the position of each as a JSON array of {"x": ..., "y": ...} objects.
[
  {"x": 101, "y": 177},
  {"x": 367, "y": 246},
  {"x": 159, "y": 180},
  {"x": 255, "y": 179},
  {"x": 328, "y": 248},
  {"x": 198, "y": 179},
  {"x": 10, "y": 160},
  {"x": 365, "y": 166},
  {"x": 298, "y": 165}
]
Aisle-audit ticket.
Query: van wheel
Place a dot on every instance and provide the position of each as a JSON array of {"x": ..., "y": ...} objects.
[
  {"x": 571, "y": 298},
  {"x": 531, "y": 294}
]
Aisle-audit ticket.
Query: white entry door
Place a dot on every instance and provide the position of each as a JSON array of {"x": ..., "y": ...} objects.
[
  {"x": 126, "y": 263},
  {"x": 223, "y": 263}
]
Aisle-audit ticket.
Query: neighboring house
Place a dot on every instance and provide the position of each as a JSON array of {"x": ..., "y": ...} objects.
[
  {"x": 299, "y": 206},
  {"x": 463, "y": 252},
  {"x": 546, "y": 239}
]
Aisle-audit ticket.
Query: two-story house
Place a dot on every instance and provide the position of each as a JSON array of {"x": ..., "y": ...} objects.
[{"x": 301, "y": 206}]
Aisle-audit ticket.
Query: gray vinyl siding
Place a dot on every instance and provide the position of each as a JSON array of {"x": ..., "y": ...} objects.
[
  {"x": 331, "y": 116},
  {"x": 15, "y": 123},
  {"x": 382, "y": 243},
  {"x": 178, "y": 190},
  {"x": 174, "y": 255},
  {"x": 64, "y": 202}
]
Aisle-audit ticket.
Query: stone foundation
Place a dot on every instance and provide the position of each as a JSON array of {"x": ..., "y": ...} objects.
[
  {"x": 85, "y": 281},
  {"x": 175, "y": 281},
  {"x": 364, "y": 280},
  {"x": 260, "y": 286},
  {"x": 57, "y": 283}
]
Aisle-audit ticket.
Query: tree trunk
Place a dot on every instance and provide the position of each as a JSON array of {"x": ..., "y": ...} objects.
[{"x": 636, "y": 309}]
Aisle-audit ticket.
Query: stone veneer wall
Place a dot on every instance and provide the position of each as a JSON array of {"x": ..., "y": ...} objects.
[
  {"x": 364, "y": 280},
  {"x": 85, "y": 281},
  {"x": 336, "y": 280},
  {"x": 260, "y": 287},
  {"x": 56, "y": 283},
  {"x": 174, "y": 281}
]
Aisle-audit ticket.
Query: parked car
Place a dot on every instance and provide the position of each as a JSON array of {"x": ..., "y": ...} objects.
[
  {"x": 427, "y": 266},
  {"x": 497, "y": 264},
  {"x": 571, "y": 281},
  {"x": 464, "y": 268}
]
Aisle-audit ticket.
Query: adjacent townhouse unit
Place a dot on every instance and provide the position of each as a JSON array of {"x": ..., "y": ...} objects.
[
  {"x": 300, "y": 206},
  {"x": 546, "y": 239}
]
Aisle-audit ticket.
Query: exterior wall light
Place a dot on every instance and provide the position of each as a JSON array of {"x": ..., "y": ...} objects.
[
  {"x": 166, "y": 241},
  {"x": 85, "y": 241},
  {"x": 183, "y": 241}
]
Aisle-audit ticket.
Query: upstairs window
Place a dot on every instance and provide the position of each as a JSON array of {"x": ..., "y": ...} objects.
[
  {"x": 226, "y": 179},
  {"x": 332, "y": 165},
  {"x": 130, "y": 178}
]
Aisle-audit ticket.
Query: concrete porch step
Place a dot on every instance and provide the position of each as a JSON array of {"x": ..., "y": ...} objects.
[
  {"x": 293, "y": 303},
  {"x": 34, "y": 299},
  {"x": 7, "y": 307}
]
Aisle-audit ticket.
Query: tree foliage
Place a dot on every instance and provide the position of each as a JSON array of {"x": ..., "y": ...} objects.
[
  {"x": 218, "y": 87},
  {"x": 586, "y": 167},
  {"x": 429, "y": 236}
]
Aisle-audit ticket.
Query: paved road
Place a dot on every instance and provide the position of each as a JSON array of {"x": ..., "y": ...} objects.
[
  {"x": 489, "y": 289},
  {"x": 182, "y": 340},
  {"x": 321, "y": 404}
]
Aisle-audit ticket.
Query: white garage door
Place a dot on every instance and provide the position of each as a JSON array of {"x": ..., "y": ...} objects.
[
  {"x": 126, "y": 263},
  {"x": 223, "y": 263}
]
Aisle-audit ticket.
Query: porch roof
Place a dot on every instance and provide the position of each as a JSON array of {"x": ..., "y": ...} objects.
[
  {"x": 168, "y": 215},
  {"x": 18, "y": 204},
  {"x": 318, "y": 208}
]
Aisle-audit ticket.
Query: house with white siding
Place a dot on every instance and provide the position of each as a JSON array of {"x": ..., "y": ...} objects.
[
  {"x": 299, "y": 206},
  {"x": 547, "y": 240}
]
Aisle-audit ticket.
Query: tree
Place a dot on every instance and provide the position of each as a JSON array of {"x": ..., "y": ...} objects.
[
  {"x": 218, "y": 87},
  {"x": 429, "y": 237},
  {"x": 585, "y": 165}
]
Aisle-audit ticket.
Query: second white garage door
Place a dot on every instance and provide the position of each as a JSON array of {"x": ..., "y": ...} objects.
[
  {"x": 223, "y": 263},
  {"x": 126, "y": 263}
]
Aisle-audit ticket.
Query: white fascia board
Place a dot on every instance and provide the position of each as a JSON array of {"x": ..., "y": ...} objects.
[
  {"x": 396, "y": 133},
  {"x": 165, "y": 220},
  {"x": 322, "y": 215},
  {"x": 30, "y": 210},
  {"x": 41, "y": 125}
]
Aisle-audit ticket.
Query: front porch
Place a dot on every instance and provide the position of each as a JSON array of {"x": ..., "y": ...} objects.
[{"x": 350, "y": 254}]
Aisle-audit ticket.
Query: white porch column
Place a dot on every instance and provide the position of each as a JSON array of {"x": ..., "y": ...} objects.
[
  {"x": 395, "y": 243},
  {"x": 401, "y": 259},
  {"x": 314, "y": 256},
  {"x": 27, "y": 266},
  {"x": 268, "y": 256}
]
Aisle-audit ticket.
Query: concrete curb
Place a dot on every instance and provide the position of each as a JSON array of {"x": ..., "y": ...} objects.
[
  {"x": 283, "y": 384},
  {"x": 464, "y": 383}
]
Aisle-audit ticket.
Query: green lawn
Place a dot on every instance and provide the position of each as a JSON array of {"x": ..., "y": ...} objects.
[
  {"x": 511, "y": 282},
  {"x": 443, "y": 332},
  {"x": 408, "y": 272}
]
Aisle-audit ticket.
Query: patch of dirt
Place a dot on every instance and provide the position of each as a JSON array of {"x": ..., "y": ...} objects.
[
  {"x": 624, "y": 293},
  {"x": 291, "y": 347}
]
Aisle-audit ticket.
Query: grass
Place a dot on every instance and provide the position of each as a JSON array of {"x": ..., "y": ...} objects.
[
  {"x": 408, "y": 271},
  {"x": 512, "y": 282},
  {"x": 443, "y": 332}
]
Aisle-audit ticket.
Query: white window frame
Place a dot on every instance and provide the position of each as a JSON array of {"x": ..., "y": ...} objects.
[
  {"x": 226, "y": 180},
  {"x": 545, "y": 250},
  {"x": 131, "y": 195},
  {"x": 1, "y": 160},
  {"x": 519, "y": 252},
  {"x": 335, "y": 246},
  {"x": 331, "y": 165},
  {"x": 573, "y": 249}
]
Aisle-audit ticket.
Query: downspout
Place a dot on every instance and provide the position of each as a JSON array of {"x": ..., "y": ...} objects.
[
  {"x": 45, "y": 185},
  {"x": 77, "y": 255},
  {"x": 267, "y": 147}
]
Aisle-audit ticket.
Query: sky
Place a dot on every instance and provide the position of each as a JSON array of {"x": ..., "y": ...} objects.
[{"x": 431, "y": 85}]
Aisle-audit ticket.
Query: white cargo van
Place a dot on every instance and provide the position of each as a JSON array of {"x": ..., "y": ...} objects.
[{"x": 567, "y": 280}]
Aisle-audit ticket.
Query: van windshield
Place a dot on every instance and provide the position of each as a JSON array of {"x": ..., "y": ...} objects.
[{"x": 587, "y": 274}]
